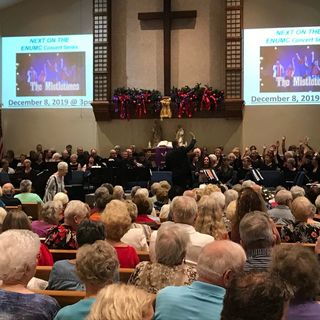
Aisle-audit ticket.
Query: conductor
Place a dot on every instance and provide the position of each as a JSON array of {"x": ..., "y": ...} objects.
[{"x": 177, "y": 161}]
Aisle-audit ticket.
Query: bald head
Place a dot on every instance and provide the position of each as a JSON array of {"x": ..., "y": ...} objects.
[
  {"x": 8, "y": 189},
  {"x": 218, "y": 260}
]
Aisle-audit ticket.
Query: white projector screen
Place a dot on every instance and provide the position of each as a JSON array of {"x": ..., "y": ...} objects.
[
  {"x": 47, "y": 71},
  {"x": 281, "y": 66}
]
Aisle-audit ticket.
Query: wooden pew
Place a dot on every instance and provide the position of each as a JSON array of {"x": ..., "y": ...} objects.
[
  {"x": 64, "y": 298},
  {"x": 60, "y": 254},
  {"x": 310, "y": 246},
  {"x": 124, "y": 274},
  {"x": 32, "y": 210},
  {"x": 43, "y": 272}
]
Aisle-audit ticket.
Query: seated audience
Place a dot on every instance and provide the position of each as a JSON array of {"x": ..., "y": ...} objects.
[
  {"x": 63, "y": 275},
  {"x": 209, "y": 219},
  {"x": 118, "y": 193},
  {"x": 26, "y": 196},
  {"x": 144, "y": 210},
  {"x": 55, "y": 183},
  {"x": 3, "y": 214},
  {"x": 117, "y": 222},
  {"x": 161, "y": 199},
  {"x": 96, "y": 265},
  {"x": 138, "y": 233},
  {"x": 230, "y": 195},
  {"x": 256, "y": 296},
  {"x": 169, "y": 268},
  {"x": 122, "y": 302},
  {"x": 248, "y": 200},
  {"x": 153, "y": 190},
  {"x": 218, "y": 262},
  {"x": 299, "y": 268},
  {"x": 301, "y": 230},
  {"x": 64, "y": 236},
  {"x": 282, "y": 214},
  {"x": 101, "y": 199},
  {"x": 297, "y": 191},
  {"x": 50, "y": 215},
  {"x": 17, "y": 219},
  {"x": 184, "y": 210},
  {"x": 8, "y": 195},
  {"x": 62, "y": 197},
  {"x": 19, "y": 250},
  {"x": 257, "y": 239}
]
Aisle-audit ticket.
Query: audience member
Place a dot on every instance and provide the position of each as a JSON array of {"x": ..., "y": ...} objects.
[
  {"x": 62, "y": 197},
  {"x": 301, "y": 230},
  {"x": 249, "y": 200},
  {"x": 26, "y": 196},
  {"x": 19, "y": 250},
  {"x": 209, "y": 219},
  {"x": 145, "y": 207},
  {"x": 282, "y": 214},
  {"x": 3, "y": 214},
  {"x": 117, "y": 222},
  {"x": 17, "y": 219},
  {"x": 218, "y": 262},
  {"x": 299, "y": 268},
  {"x": 118, "y": 193},
  {"x": 8, "y": 195},
  {"x": 297, "y": 191},
  {"x": 138, "y": 233},
  {"x": 64, "y": 236},
  {"x": 257, "y": 239},
  {"x": 122, "y": 302},
  {"x": 101, "y": 199},
  {"x": 169, "y": 268},
  {"x": 63, "y": 275},
  {"x": 184, "y": 210},
  {"x": 50, "y": 215},
  {"x": 256, "y": 296}
]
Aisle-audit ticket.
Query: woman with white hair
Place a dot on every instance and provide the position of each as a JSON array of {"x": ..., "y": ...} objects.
[
  {"x": 55, "y": 183},
  {"x": 50, "y": 215},
  {"x": 64, "y": 236},
  {"x": 19, "y": 250},
  {"x": 209, "y": 220},
  {"x": 169, "y": 268},
  {"x": 122, "y": 302}
]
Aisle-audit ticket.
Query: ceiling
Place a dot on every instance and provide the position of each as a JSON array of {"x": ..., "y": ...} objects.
[{"x": 8, "y": 3}]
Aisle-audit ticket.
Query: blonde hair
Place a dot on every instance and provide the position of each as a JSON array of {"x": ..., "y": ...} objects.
[
  {"x": 132, "y": 209},
  {"x": 230, "y": 211},
  {"x": 62, "y": 197},
  {"x": 116, "y": 219},
  {"x": 165, "y": 184},
  {"x": 209, "y": 220},
  {"x": 210, "y": 188},
  {"x": 121, "y": 302}
]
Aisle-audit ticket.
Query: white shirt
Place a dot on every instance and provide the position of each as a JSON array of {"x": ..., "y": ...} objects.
[
  {"x": 136, "y": 238},
  {"x": 197, "y": 241}
]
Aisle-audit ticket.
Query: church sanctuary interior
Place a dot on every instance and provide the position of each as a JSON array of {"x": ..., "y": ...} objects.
[{"x": 160, "y": 159}]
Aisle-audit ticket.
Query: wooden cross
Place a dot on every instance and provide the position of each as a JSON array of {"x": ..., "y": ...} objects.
[{"x": 167, "y": 16}]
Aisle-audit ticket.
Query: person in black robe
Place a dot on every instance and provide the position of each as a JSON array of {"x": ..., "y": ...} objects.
[{"x": 177, "y": 161}]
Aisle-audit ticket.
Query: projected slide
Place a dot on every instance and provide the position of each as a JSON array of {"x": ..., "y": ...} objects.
[
  {"x": 281, "y": 66},
  {"x": 47, "y": 72}
]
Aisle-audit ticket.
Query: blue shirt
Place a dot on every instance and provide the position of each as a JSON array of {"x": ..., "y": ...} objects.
[
  {"x": 200, "y": 300},
  {"x": 14, "y": 306},
  {"x": 77, "y": 311},
  {"x": 63, "y": 277}
]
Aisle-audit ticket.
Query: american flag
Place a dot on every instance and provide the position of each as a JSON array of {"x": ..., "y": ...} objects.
[{"x": 1, "y": 136}]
